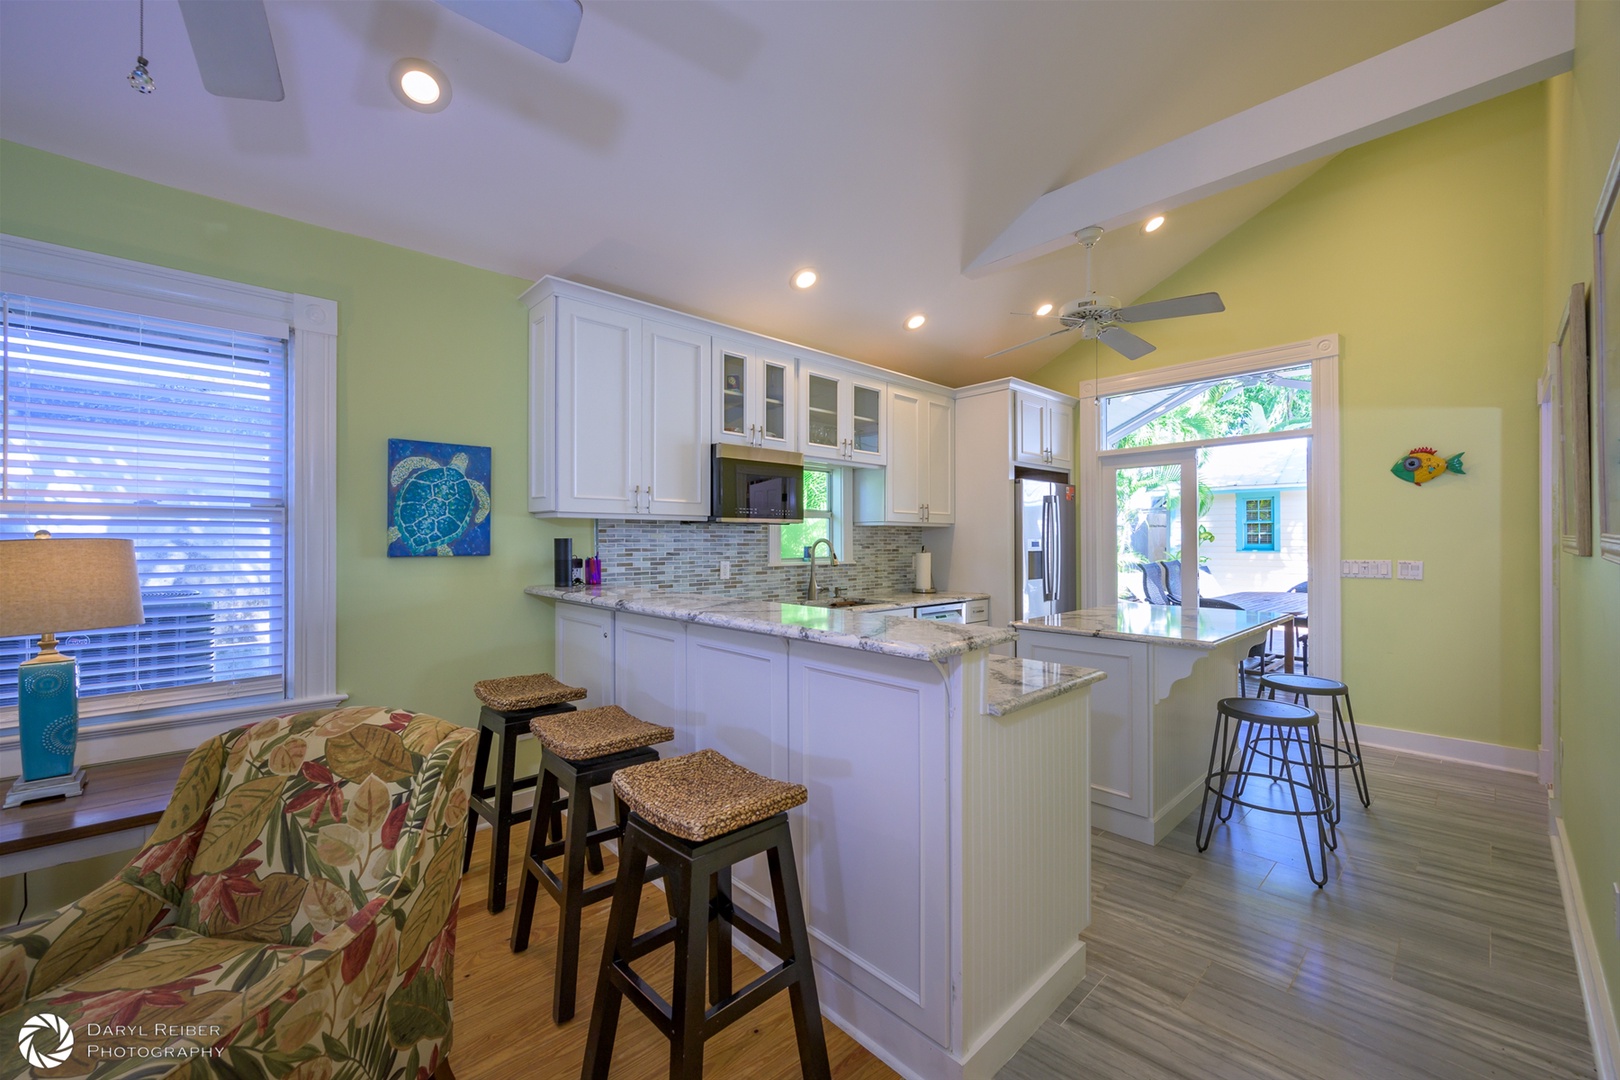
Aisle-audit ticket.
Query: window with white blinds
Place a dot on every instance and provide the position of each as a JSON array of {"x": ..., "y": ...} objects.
[{"x": 174, "y": 435}]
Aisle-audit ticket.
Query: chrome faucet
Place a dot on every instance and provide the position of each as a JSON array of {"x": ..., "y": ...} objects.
[{"x": 811, "y": 593}]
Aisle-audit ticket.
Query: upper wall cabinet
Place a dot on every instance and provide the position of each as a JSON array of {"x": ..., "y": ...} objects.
[
  {"x": 619, "y": 414},
  {"x": 841, "y": 416},
  {"x": 755, "y": 397},
  {"x": 1044, "y": 432},
  {"x": 918, "y": 487}
]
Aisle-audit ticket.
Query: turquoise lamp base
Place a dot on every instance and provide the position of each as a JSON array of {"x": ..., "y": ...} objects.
[{"x": 47, "y": 729}]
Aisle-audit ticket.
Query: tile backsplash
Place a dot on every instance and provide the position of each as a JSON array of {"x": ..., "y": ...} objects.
[{"x": 685, "y": 557}]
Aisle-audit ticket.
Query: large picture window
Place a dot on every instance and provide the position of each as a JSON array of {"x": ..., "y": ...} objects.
[
  {"x": 195, "y": 417},
  {"x": 173, "y": 435}
]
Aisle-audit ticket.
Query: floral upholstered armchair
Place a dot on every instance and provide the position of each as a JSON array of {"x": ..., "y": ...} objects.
[{"x": 293, "y": 915}]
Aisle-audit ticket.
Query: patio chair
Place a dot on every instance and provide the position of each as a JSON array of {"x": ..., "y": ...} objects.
[{"x": 1153, "y": 584}]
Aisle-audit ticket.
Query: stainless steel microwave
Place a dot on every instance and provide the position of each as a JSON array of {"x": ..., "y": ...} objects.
[{"x": 752, "y": 486}]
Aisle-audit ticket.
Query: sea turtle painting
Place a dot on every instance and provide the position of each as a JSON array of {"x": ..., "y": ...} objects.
[{"x": 438, "y": 499}]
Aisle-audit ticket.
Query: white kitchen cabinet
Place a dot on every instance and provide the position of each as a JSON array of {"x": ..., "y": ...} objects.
[
  {"x": 867, "y": 744},
  {"x": 918, "y": 486},
  {"x": 737, "y": 704},
  {"x": 620, "y": 414},
  {"x": 649, "y": 668},
  {"x": 1044, "y": 431},
  {"x": 754, "y": 397},
  {"x": 841, "y": 416},
  {"x": 585, "y": 653}
]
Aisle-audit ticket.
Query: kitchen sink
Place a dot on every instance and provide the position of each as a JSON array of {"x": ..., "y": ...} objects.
[{"x": 841, "y": 602}]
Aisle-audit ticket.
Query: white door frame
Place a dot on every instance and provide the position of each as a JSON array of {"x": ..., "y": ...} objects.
[
  {"x": 1323, "y": 518},
  {"x": 1550, "y": 535}
]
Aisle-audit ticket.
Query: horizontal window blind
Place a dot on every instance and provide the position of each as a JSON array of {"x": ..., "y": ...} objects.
[{"x": 175, "y": 436}]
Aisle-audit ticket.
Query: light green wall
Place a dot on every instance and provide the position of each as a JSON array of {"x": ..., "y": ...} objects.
[
  {"x": 1424, "y": 252},
  {"x": 427, "y": 349},
  {"x": 1584, "y": 114}
]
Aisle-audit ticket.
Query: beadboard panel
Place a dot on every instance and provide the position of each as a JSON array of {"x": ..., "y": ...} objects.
[{"x": 1026, "y": 848}]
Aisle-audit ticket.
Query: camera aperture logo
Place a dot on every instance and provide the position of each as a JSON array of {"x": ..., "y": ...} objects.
[{"x": 55, "y": 1031}]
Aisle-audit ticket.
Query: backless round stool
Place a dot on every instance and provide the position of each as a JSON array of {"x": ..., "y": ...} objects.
[
  {"x": 1250, "y": 728},
  {"x": 1342, "y": 748},
  {"x": 508, "y": 706},
  {"x": 697, "y": 815},
  {"x": 579, "y": 752}
]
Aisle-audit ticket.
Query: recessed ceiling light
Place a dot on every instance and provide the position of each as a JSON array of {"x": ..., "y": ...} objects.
[
  {"x": 420, "y": 85},
  {"x": 916, "y": 322},
  {"x": 1153, "y": 223},
  {"x": 1044, "y": 309},
  {"x": 804, "y": 278}
]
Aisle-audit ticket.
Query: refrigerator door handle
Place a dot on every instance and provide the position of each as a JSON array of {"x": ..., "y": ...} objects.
[
  {"x": 1048, "y": 527},
  {"x": 1058, "y": 555}
]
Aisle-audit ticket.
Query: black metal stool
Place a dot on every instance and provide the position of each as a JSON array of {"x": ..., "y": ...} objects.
[
  {"x": 697, "y": 815},
  {"x": 1247, "y": 728},
  {"x": 508, "y": 707},
  {"x": 1342, "y": 748},
  {"x": 578, "y": 752}
]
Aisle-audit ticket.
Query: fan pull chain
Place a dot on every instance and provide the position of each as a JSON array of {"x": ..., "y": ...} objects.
[{"x": 140, "y": 79}]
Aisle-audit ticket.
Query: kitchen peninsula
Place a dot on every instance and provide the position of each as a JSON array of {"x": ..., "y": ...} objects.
[
  {"x": 945, "y": 847},
  {"x": 1153, "y": 720}
]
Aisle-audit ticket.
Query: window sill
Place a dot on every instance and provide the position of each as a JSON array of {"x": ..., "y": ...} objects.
[{"x": 120, "y": 736}]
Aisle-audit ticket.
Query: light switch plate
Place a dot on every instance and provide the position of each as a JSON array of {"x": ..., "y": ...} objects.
[
  {"x": 1411, "y": 570},
  {"x": 1364, "y": 568}
]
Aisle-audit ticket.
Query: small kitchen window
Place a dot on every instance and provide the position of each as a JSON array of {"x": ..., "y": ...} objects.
[
  {"x": 825, "y": 516},
  {"x": 1256, "y": 520}
]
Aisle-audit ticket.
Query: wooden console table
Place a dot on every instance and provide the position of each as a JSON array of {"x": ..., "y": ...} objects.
[{"x": 121, "y": 804}]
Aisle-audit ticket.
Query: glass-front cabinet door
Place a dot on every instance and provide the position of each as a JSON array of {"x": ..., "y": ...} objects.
[
  {"x": 753, "y": 397},
  {"x": 843, "y": 417}
]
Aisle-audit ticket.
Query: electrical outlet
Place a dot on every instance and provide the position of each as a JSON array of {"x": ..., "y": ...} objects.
[
  {"x": 725, "y": 569},
  {"x": 1410, "y": 570}
]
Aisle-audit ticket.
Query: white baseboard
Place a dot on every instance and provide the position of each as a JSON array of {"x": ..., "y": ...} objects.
[
  {"x": 1467, "y": 751},
  {"x": 1600, "y": 1018}
]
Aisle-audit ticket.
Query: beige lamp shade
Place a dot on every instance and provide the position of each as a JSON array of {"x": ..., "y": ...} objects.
[{"x": 52, "y": 586}]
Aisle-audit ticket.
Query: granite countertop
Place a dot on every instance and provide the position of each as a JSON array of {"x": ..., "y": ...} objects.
[
  {"x": 850, "y": 628},
  {"x": 1012, "y": 684},
  {"x": 1157, "y": 624}
]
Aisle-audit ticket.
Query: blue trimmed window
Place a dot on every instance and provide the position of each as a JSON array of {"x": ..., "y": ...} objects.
[{"x": 1256, "y": 520}]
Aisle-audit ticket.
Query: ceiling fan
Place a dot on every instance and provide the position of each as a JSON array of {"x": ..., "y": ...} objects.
[
  {"x": 1097, "y": 316},
  {"x": 237, "y": 58}
]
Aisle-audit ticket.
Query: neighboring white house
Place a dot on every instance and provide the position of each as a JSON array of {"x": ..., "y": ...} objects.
[{"x": 1257, "y": 516}]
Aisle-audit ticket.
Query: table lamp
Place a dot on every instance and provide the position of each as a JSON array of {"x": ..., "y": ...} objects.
[{"x": 49, "y": 586}]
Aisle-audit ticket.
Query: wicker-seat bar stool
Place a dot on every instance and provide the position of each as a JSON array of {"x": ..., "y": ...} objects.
[
  {"x": 508, "y": 705},
  {"x": 579, "y": 752},
  {"x": 697, "y": 815}
]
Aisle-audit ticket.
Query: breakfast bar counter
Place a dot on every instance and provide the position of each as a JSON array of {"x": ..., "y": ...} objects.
[
  {"x": 1153, "y": 719},
  {"x": 945, "y": 848}
]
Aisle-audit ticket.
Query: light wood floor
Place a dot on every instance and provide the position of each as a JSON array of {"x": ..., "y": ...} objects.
[
  {"x": 1438, "y": 949},
  {"x": 503, "y": 1000}
]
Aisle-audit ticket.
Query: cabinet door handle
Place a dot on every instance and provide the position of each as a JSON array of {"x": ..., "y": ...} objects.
[
  {"x": 649, "y": 498},
  {"x": 635, "y": 499}
]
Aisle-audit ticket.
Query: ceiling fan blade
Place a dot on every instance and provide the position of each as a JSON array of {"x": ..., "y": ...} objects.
[
  {"x": 1204, "y": 303},
  {"x": 1032, "y": 341},
  {"x": 547, "y": 27},
  {"x": 1124, "y": 342},
  {"x": 235, "y": 55}
]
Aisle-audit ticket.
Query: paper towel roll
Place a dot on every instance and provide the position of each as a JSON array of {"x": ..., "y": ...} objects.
[{"x": 922, "y": 572}]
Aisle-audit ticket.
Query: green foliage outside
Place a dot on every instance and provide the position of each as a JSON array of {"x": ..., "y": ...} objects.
[{"x": 817, "y": 499}]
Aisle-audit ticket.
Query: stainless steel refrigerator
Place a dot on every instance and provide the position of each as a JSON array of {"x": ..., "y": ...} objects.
[{"x": 1045, "y": 548}]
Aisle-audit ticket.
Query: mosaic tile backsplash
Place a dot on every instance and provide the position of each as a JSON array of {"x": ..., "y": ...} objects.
[{"x": 685, "y": 557}]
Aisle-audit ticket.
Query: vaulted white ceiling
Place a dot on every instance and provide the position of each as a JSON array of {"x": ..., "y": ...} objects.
[{"x": 695, "y": 153}]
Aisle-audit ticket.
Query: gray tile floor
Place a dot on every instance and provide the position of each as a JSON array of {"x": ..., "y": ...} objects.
[{"x": 1438, "y": 949}]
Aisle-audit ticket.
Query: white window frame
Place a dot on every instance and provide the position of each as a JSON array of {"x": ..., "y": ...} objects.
[
  {"x": 1323, "y": 522},
  {"x": 840, "y": 495},
  {"x": 32, "y": 268}
]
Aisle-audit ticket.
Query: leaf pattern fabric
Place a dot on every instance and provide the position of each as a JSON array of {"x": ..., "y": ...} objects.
[{"x": 296, "y": 904}]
